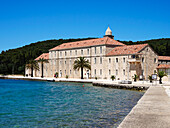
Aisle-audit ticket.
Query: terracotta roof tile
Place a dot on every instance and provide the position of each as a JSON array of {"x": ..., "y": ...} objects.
[
  {"x": 44, "y": 56},
  {"x": 163, "y": 57},
  {"x": 163, "y": 66},
  {"x": 127, "y": 49},
  {"x": 91, "y": 42}
]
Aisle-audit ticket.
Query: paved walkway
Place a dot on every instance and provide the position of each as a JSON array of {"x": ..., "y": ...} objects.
[
  {"x": 151, "y": 111},
  {"x": 80, "y": 80}
]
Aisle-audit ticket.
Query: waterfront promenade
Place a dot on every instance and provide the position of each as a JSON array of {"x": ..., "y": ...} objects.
[
  {"x": 139, "y": 85},
  {"x": 151, "y": 111}
]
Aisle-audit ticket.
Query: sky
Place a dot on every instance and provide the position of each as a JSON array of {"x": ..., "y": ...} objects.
[{"x": 27, "y": 21}]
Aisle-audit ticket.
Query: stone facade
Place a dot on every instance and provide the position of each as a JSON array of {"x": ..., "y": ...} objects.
[{"x": 105, "y": 60}]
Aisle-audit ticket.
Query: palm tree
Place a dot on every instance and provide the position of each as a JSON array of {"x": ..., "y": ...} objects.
[
  {"x": 33, "y": 65},
  {"x": 42, "y": 61},
  {"x": 161, "y": 74},
  {"x": 81, "y": 63}
]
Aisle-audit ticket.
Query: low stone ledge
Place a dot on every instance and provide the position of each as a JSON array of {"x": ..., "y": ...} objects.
[{"x": 121, "y": 86}]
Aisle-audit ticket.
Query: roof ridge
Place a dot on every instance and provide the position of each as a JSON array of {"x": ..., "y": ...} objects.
[
  {"x": 67, "y": 43},
  {"x": 138, "y": 44},
  {"x": 90, "y": 42},
  {"x": 127, "y": 49}
]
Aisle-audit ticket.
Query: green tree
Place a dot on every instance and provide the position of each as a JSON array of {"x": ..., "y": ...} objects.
[
  {"x": 42, "y": 61},
  {"x": 33, "y": 65},
  {"x": 135, "y": 77},
  {"x": 161, "y": 74},
  {"x": 81, "y": 63}
]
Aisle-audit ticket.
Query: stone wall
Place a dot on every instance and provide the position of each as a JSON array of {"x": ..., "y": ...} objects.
[
  {"x": 102, "y": 66},
  {"x": 150, "y": 61}
]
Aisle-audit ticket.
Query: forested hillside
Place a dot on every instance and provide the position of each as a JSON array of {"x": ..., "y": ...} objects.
[
  {"x": 13, "y": 61},
  {"x": 160, "y": 46}
]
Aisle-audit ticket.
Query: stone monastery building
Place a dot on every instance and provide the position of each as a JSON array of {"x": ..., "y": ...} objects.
[{"x": 106, "y": 56}]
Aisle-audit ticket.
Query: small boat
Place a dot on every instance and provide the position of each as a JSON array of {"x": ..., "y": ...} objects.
[{"x": 51, "y": 80}]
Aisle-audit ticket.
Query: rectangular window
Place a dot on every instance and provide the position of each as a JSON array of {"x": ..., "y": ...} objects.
[
  {"x": 116, "y": 60},
  {"x": 100, "y": 71},
  {"x": 100, "y": 49},
  {"x": 142, "y": 59},
  {"x": 123, "y": 71},
  {"x": 94, "y": 60},
  {"x": 95, "y": 71},
  {"x": 70, "y": 71},
  {"x": 81, "y": 52},
  {"x": 70, "y": 61},
  {"x": 109, "y": 72},
  {"x": 100, "y": 60},
  {"x": 60, "y": 73},
  {"x": 116, "y": 72},
  {"x": 154, "y": 60},
  {"x": 76, "y": 52},
  {"x": 65, "y": 71},
  {"x": 55, "y": 54},
  {"x": 65, "y": 61},
  {"x": 124, "y": 60},
  {"x": 95, "y": 50},
  {"x": 109, "y": 60},
  {"x": 70, "y": 53},
  {"x": 65, "y": 53},
  {"x": 88, "y": 51},
  {"x": 60, "y": 53}
]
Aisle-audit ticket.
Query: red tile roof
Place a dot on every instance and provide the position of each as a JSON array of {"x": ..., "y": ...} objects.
[
  {"x": 163, "y": 66},
  {"x": 163, "y": 57},
  {"x": 127, "y": 49},
  {"x": 44, "y": 56},
  {"x": 91, "y": 42}
]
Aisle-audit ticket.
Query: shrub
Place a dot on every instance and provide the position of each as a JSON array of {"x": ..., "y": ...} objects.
[
  {"x": 56, "y": 75},
  {"x": 113, "y": 77},
  {"x": 66, "y": 76},
  {"x": 135, "y": 77}
]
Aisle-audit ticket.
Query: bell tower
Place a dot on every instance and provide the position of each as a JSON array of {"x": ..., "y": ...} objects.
[{"x": 108, "y": 33}]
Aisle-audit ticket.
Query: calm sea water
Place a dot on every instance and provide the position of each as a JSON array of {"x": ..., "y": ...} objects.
[{"x": 47, "y": 104}]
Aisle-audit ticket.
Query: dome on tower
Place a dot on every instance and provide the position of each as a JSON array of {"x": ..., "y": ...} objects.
[{"x": 108, "y": 32}]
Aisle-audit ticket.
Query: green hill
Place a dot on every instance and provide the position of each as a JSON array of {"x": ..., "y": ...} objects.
[{"x": 13, "y": 61}]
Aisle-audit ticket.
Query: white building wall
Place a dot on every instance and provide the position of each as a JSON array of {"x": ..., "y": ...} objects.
[{"x": 62, "y": 61}]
